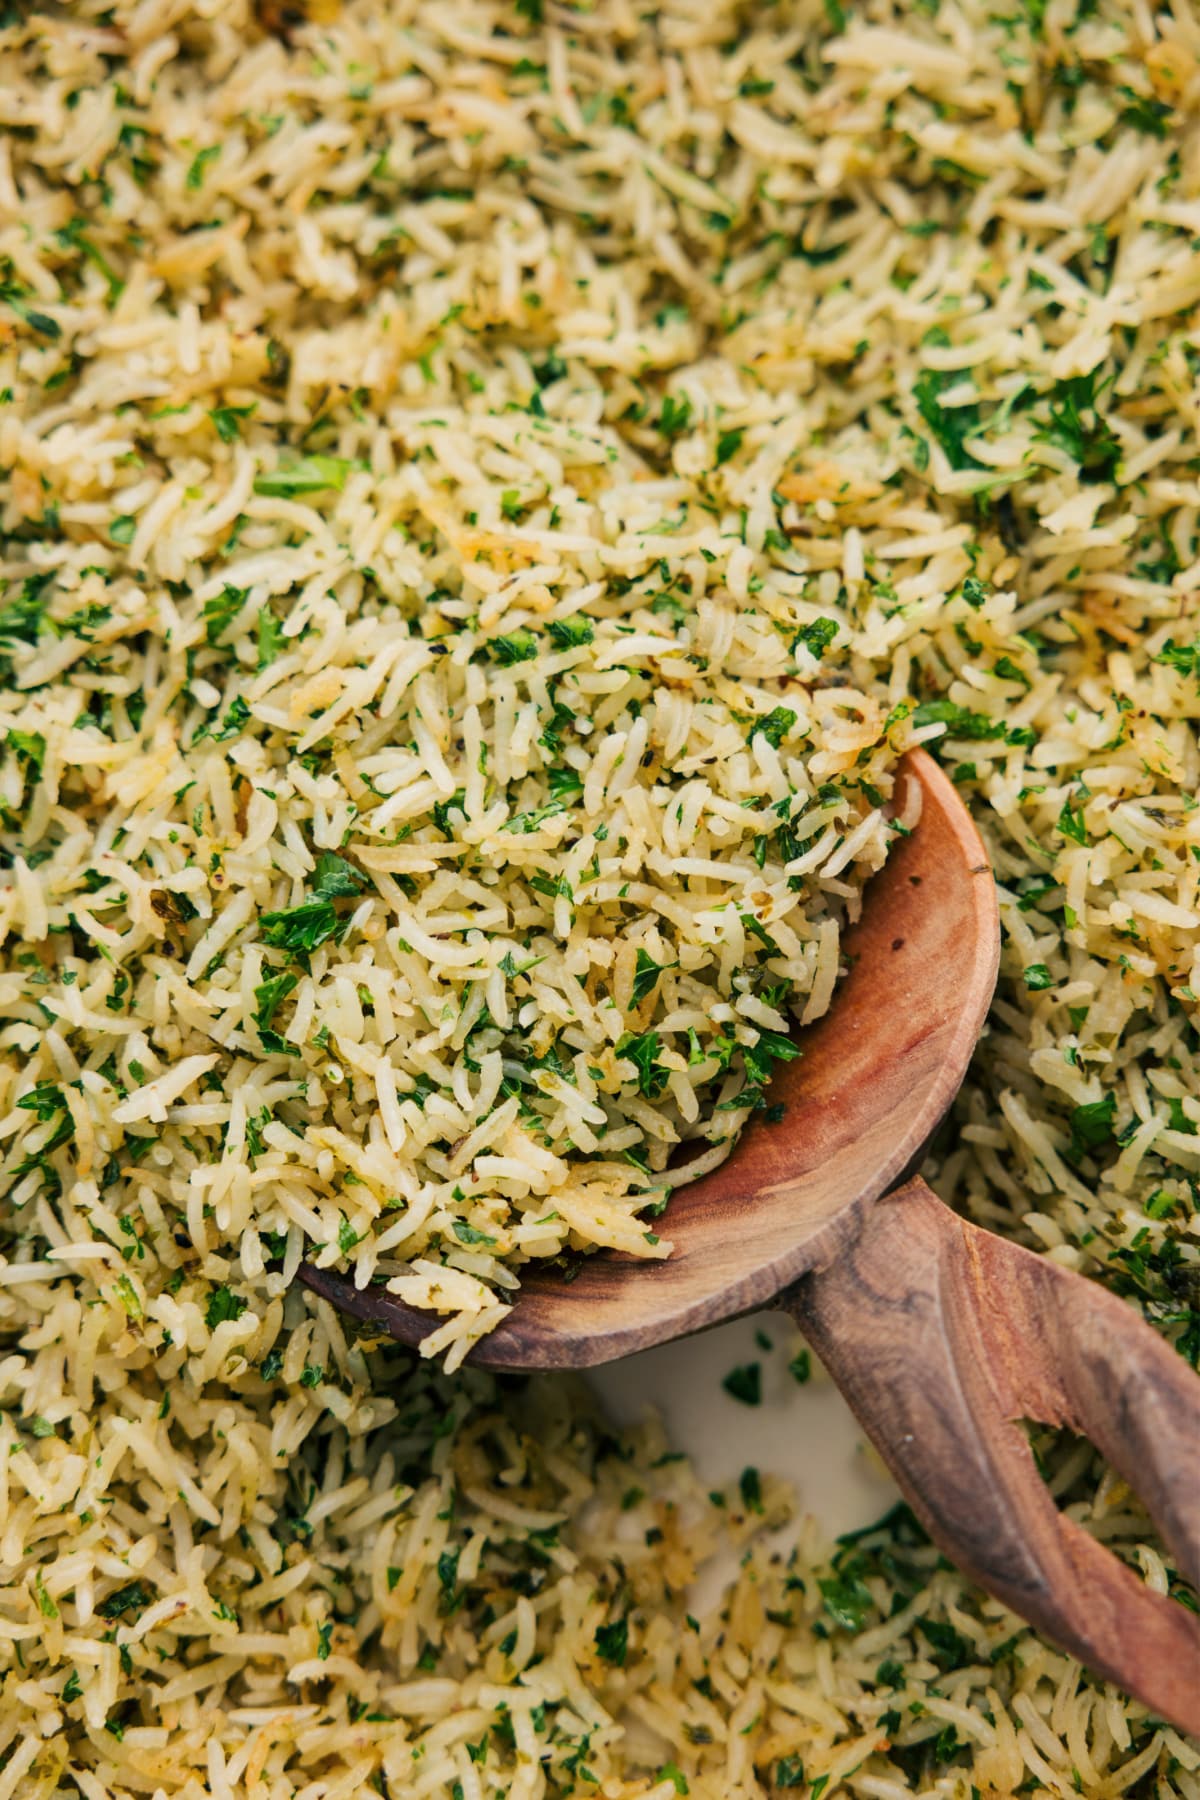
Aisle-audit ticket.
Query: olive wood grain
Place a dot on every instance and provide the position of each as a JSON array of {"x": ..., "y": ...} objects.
[{"x": 941, "y": 1336}]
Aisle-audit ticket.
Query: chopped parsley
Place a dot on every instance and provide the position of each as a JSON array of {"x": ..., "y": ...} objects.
[
  {"x": 302, "y": 928},
  {"x": 335, "y": 878},
  {"x": 194, "y": 180},
  {"x": 1091, "y": 1125},
  {"x": 950, "y": 425},
  {"x": 568, "y": 634},
  {"x": 818, "y": 636},
  {"x": 642, "y": 1051},
  {"x": 312, "y": 475},
  {"x": 222, "y": 610},
  {"x": 132, "y": 1599},
  {"x": 646, "y": 976},
  {"x": 519, "y": 646},
  {"x": 1071, "y": 823},
  {"x": 744, "y": 1384},
  {"x": 271, "y": 641},
  {"x": 268, "y": 997},
  {"x": 223, "y": 1304},
  {"x": 675, "y": 415},
  {"x": 227, "y": 421},
  {"x": 1078, "y": 428},
  {"x": 775, "y": 725},
  {"x": 729, "y": 443},
  {"x": 470, "y": 1234},
  {"x": 959, "y": 721},
  {"x": 612, "y": 1643}
]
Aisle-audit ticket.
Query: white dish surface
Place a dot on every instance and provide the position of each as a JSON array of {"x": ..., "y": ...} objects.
[{"x": 805, "y": 1433}]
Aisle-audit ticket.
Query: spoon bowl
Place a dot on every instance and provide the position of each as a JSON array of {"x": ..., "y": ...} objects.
[{"x": 873, "y": 1079}]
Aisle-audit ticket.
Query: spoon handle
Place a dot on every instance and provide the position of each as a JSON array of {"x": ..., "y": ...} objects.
[{"x": 942, "y": 1336}]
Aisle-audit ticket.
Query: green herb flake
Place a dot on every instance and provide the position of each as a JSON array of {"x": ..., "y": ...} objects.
[
  {"x": 268, "y": 996},
  {"x": 519, "y": 646},
  {"x": 127, "y": 1294},
  {"x": 301, "y": 929},
  {"x": 750, "y": 1488},
  {"x": 1071, "y": 823},
  {"x": 951, "y": 1649},
  {"x": 612, "y": 1643},
  {"x": 133, "y": 1599},
  {"x": 335, "y": 878},
  {"x": 818, "y": 636},
  {"x": 950, "y": 425},
  {"x": 45, "y": 1604},
  {"x": 194, "y": 180},
  {"x": 227, "y": 421},
  {"x": 775, "y": 725},
  {"x": 959, "y": 721},
  {"x": 847, "y": 1600},
  {"x": 646, "y": 975},
  {"x": 13, "y": 295},
  {"x": 223, "y": 1304},
  {"x": 1091, "y": 1124},
  {"x": 221, "y": 610},
  {"x": 569, "y": 634},
  {"x": 728, "y": 444},
  {"x": 1183, "y": 658},
  {"x": 470, "y": 1234},
  {"x": 1076, "y": 427},
  {"x": 675, "y": 415},
  {"x": 312, "y": 475},
  {"x": 744, "y": 1384},
  {"x": 1145, "y": 113},
  {"x": 271, "y": 641},
  {"x": 642, "y": 1051}
]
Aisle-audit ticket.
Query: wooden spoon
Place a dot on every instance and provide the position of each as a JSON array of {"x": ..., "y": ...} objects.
[{"x": 940, "y": 1335}]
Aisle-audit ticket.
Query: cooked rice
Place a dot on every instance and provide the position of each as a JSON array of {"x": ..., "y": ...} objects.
[
  {"x": 453, "y": 789},
  {"x": 489, "y": 498}
]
